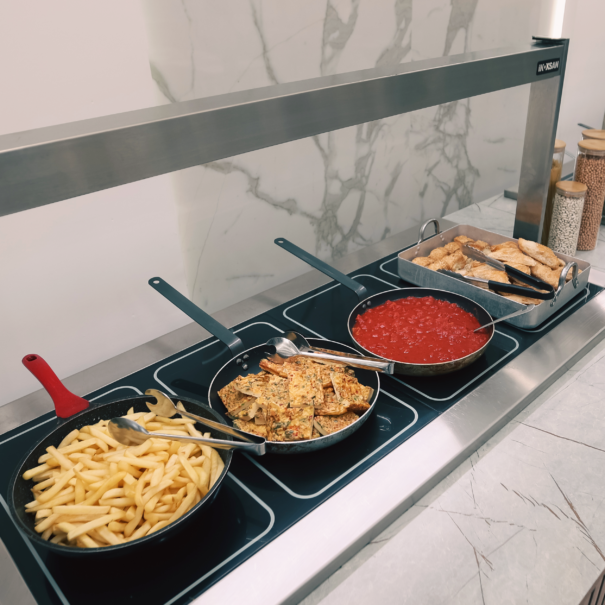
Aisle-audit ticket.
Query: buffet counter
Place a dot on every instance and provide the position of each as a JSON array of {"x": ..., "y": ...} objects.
[{"x": 345, "y": 524}]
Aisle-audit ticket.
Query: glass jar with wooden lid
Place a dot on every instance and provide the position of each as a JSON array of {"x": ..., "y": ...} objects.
[
  {"x": 590, "y": 170},
  {"x": 568, "y": 206},
  {"x": 593, "y": 133},
  {"x": 555, "y": 176}
]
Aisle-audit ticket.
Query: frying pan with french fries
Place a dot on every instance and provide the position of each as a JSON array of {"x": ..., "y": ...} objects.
[{"x": 79, "y": 492}]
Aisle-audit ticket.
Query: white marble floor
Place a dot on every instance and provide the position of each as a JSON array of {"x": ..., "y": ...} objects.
[{"x": 520, "y": 521}]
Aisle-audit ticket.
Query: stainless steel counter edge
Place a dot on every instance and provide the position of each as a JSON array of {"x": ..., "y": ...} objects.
[
  {"x": 35, "y": 404},
  {"x": 374, "y": 500}
]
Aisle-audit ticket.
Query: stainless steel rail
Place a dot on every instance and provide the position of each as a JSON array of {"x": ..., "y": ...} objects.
[{"x": 47, "y": 165}]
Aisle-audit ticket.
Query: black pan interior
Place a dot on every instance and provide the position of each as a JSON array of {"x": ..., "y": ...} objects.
[
  {"x": 234, "y": 368},
  {"x": 379, "y": 299},
  {"x": 20, "y": 490}
]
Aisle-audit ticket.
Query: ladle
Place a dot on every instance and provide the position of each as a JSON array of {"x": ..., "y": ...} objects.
[{"x": 527, "y": 309}]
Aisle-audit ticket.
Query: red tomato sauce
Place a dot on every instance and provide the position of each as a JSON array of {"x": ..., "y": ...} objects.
[{"x": 419, "y": 330}]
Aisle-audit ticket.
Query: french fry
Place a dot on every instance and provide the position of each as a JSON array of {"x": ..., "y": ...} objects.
[
  {"x": 105, "y": 437},
  {"x": 129, "y": 516},
  {"x": 60, "y": 458},
  {"x": 81, "y": 510},
  {"x": 88, "y": 542},
  {"x": 185, "y": 504},
  {"x": 83, "y": 529},
  {"x": 107, "y": 485},
  {"x": 158, "y": 525},
  {"x": 132, "y": 524},
  {"x": 142, "y": 531},
  {"x": 79, "y": 492},
  {"x": 56, "y": 488},
  {"x": 108, "y": 535},
  {"x": 46, "y": 523},
  {"x": 142, "y": 462},
  {"x": 118, "y": 502},
  {"x": 133, "y": 472},
  {"x": 34, "y": 472},
  {"x": 69, "y": 438}
]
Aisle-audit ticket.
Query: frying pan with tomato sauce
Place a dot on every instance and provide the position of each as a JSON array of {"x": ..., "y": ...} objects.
[{"x": 370, "y": 302}]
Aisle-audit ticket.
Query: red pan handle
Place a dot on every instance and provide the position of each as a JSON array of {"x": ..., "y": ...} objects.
[{"x": 66, "y": 403}]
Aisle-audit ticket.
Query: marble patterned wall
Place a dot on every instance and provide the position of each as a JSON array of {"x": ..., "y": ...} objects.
[{"x": 343, "y": 190}]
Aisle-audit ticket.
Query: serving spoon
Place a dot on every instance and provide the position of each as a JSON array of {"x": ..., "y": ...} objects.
[
  {"x": 527, "y": 309},
  {"x": 295, "y": 344}
]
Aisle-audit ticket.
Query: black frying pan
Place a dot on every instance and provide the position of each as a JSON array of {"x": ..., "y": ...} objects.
[
  {"x": 244, "y": 362},
  {"x": 366, "y": 301},
  {"x": 66, "y": 404}
]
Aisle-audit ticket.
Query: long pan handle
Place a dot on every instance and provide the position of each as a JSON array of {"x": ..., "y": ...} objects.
[
  {"x": 336, "y": 275},
  {"x": 233, "y": 341}
]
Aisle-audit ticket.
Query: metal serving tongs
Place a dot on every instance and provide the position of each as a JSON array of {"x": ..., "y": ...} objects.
[
  {"x": 294, "y": 344},
  {"x": 129, "y": 432},
  {"x": 544, "y": 292}
]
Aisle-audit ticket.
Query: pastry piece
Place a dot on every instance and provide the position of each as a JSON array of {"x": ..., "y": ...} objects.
[
  {"x": 252, "y": 384},
  {"x": 237, "y": 403},
  {"x": 453, "y": 246},
  {"x": 539, "y": 252},
  {"x": 440, "y": 264},
  {"x": 274, "y": 368},
  {"x": 250, "y": 427},
  {"x": 323, "y": 367},
  {"x": 291, "y": 424},
  {"x": 305, "y": 386},
  {"x": 512, "y": 255},
  {"x": 326, "y": 425},
  {"x": 561, "y": 262},
  {"x": 463, "y": 239},
  {"x": 438, "y": 254},
  {"x": 524, "y": 300},
  {"x": 486, "y": 272},
  {"x": 455, "y": 261},
  {"x": 423, "y": 261},
  {"x": 505, "y": 245},
  {"x": 468, "y": 265},
  {"x": 545, "y": 274},
  {"x": 480, "y": 245},
  {"x": 330, "y": 406},
  {"x": 351, "y": 394}
]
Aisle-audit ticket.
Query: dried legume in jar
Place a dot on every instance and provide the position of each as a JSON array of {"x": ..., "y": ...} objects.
[
  {"x": 590, "y": 170},
  {"x": 567, "y": 210}
]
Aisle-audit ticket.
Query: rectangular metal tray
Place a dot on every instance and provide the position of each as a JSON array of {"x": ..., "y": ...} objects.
[{"x": 494, "y": 304}]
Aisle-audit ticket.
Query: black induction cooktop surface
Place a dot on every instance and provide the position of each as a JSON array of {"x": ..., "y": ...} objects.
[{"x": 263, "y": 496}]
